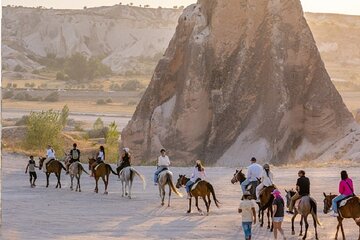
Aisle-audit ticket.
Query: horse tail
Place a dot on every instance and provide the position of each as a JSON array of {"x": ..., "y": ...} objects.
[
  {"x": 314, "y": 210},
  {"x": 172, "y": 186},
  {"x": 81, "y": 168},
  {"x": 62, "y": 166},
  {"x": 139, "y": 175},
  {"x": 109, "y": 167},
  {"x": 211, "y": 188}
]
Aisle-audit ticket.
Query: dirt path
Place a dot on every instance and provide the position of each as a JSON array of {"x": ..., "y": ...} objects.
[{"x": 42, "y": 213}]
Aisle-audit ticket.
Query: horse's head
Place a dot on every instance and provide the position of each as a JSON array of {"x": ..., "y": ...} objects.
[
  {"x": 239, "y": 176},
  {"x": 181, "y": 181},
  {"x": 67, "y": 158},
  {"x": 41, "y": 162},
  {"x": 289, "y": 195},
  {"x": 91, "y": 161},
  {"x": 327, "y": 202}
]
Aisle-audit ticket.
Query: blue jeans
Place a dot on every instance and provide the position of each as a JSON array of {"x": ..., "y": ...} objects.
[
  {"x": 244, "y": 184},
  {"x": 336, "y": 200},
  {"x": 247, "y": 229},
  {"x": 156, "y": 174},
  {"x": 188, "y": 185}
]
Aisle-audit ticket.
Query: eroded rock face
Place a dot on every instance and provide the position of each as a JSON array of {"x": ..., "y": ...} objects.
[{"x": 239, "y": 79}]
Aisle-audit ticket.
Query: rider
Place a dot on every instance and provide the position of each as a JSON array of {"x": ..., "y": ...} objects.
[
  {"x": 125, "y": 160},
  {"x": 254, "y": 173},
  {"x": 346, "y": 189},
  {"x": 50, "y": 155},
  {"x": 74, "y": 155},
  {"x": 266, "y": 181},
  {"x": 302, "y": 188},
  {"x": 100, "y": 158},
  {"x": 163, "y": 164},
  {"x": 197, "y": 175}
]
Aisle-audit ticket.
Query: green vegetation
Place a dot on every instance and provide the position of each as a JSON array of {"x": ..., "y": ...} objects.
[
  {"x": 131, "y": 85},
  {"x": 52, "y": 97},
  {"x": 111, "y": 140},
  {"x": 99, "y": 130},
  {"x": 44, "y": 128}
]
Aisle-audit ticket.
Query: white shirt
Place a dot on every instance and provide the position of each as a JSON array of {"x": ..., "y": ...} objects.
[
  {"x": 101, "y": 155},
  {"x": 267, "y": 180},
  {"x": 50, "y": 154},
  {"x": 246, "y": 207},
  {"x": 196, "y": 174},
  {"x": 254, "y": 172},
  {"x": 163, "y": 161}
]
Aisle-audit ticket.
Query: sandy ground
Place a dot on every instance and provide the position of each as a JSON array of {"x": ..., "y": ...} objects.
[{"x": 51, "y": 213}]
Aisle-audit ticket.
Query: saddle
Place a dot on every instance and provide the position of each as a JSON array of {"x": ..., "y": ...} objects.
[
  {"x": 195, "y": 184},
  {"x": 344, "y": 201},
  {"x": 252, "y": 187},
  {"x": 96, "y": 167}
]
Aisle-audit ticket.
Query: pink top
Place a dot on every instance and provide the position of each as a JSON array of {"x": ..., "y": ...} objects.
[{"x": 344, "y": 188}]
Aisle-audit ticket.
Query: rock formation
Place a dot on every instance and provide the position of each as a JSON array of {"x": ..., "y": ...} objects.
[{"x": 239, "y": 79}]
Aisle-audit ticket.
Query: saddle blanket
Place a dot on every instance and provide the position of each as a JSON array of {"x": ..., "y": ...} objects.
[
  {"x": 343, "y": 202},
  {"x": 195, "y": 184},
  {"x": 96, "y": 167}
]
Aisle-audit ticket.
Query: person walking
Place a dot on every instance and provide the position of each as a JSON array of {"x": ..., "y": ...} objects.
[
  {"x": 278, "y": 213},
  {"x": 248, "y": 214}
]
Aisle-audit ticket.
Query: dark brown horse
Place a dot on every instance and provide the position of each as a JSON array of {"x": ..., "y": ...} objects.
[
  {"x": 266, "y": 200},
  {"x": 54, "y": 166},
  {"x": 239, "y": 176},
  {"x": 102, "y": 171},
  {"x": 203, "y": 189},
  {"x": 350, "y": 210},
  {"x": 307, "y": 206}
]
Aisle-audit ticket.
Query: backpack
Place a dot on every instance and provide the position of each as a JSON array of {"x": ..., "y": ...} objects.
[{"x": 75, "y": 154}]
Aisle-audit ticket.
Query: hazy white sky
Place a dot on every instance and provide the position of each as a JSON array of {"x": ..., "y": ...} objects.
[{"x": 332, "y": 6}]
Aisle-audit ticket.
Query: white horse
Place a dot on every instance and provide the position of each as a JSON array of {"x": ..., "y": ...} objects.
[
  {"x": 166, "y": 178},
  {"x": 126, "y": 176},
  {"x": 75, "y": 170}
]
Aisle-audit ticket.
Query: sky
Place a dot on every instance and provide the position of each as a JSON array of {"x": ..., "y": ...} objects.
[{"x": 351, "y": 7}]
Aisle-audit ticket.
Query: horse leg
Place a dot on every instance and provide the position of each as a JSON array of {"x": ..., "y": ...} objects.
[
  {"x": 106, "y": 181},
  {"x": 130, "y": 186},
  {"x": 189, "y": 211},
  {"x": 197, "y": 205},
  {"x": 169, "y": 195},
  {"x": 261, "y": 218},
  {"x": 292, "y": 225},
  {"x": 96, "y": 184},
  {"x": 162, "y": 195},
  {"x": 342, "y": 229},
  {"x": 78, "y": 184},
  {"x": 71, "y": 182},
  {"x": 315, "y": 225},
  {"x": 306, "y": 226},
  {"x": 301, "y": 225},
  {"x": 57, "y": 177},
  {"x": 47, "y": 179},
  {"x": 268, "y": 218},
  {"x": 207, "y": 206},
  {"x": 209, "y": 200},
  {"x": 337, "y": 227},
  {"x": 122, "y": 188}
]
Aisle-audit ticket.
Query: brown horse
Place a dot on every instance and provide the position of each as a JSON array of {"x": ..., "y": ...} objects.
[
  {"x": 239, "y": 176},
  {"x": 203, "y": 189},
  {"x": 54, "y": 166},
  {"x": 266, "y": 200},
  {"x": 350, "y": 210},
  {"x": 102, "y": 171},
  {"x": 306, "y": 206}
]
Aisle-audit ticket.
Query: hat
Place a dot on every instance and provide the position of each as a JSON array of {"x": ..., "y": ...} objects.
[
  {"x": 276, "y": 192},
  {"x": 266, "y": 166},
  {"x": 247, "y": 193},
  {"x": 126, "y": 150},
  {"x": 253, "y": 159}
]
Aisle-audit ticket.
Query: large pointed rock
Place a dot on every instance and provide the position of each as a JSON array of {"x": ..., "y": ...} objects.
[{"x": 239, "y": 79}]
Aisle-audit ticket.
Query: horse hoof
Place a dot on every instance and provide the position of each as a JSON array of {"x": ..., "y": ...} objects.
[
  {"x": 79, "y": 190},
  {"x": 162, "y": 204},
  {"x": 188, "y": 211},
  {"x": 106, "y": 193},
  {"x": 300, "y": 234},
  {"x": 168, "y": 205},
  {"x": 292, "y": 233},
  {"x": 129, "y": 197},
  {"x": 201, "y": 214}
]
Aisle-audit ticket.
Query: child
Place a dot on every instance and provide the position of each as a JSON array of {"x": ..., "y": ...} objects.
[
  {"x": 248, "y": 214},
  {"x": 31, "y": 166},
  {"x": 278, "y": 213}
]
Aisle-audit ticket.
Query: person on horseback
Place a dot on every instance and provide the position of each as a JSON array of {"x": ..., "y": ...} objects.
[
  {"x": 163, "y": 164},
  {"x": 50, "y": 155},
  {"x": 346, "y": 189},
  {"x": 302, "y": 188},
  {"x": 248, "y": 214},
  {"x": 266, "y": 181},
  {"x": 125, "y": 160},
  {"x": 100, "y": 158},
  {"x": 254, "y": 173},
  {"x": 198, "y": 174},
  {"x": 32, "y": 173},
  {"x": 74, "y": 155}
]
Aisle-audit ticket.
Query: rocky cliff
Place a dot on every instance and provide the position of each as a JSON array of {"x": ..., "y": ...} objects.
[{"x": 239, "y": 79}]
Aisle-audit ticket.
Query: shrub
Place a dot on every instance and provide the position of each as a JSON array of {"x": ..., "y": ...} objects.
[
  {"x": 43, "y": 128},
  {"x": 100, "y": 102},
  {"x": 52, "y": 97},
  {"x": 111, "y": 141},
  {"x": 97, "y": 133},
  {"x": 131, "y": 85},
  {"x": 98, "y": 124},
  {"x": 115, "y": 87},
  {"x": 22, "y": 121},
  {"x": 109, "y": 100},
  {"x": 24, "y": 96}
]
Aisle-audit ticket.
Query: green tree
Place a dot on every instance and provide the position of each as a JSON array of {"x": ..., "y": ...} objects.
[
  {"x": 76, "y": 67},
  {"x": 64, "y": 115},
  {"x": 111, "y": 141},
  {"x": 98, "y": 124},
  {"x": 43, "y": 128}
]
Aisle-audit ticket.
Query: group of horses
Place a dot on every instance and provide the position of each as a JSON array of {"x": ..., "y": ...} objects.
[{"x": 304, "y": 207}]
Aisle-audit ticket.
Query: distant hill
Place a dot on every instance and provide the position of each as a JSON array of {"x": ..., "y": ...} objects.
[{"x": 133, "y": 39}]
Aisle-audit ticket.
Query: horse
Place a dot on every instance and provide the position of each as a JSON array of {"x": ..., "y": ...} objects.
[
  {"x": 75, "y": 170},
  {"x": 54, "y": 166},
  {"x": 350, "y": 210},
  {"x": 126, "y": 176},
  {"x": 266, "y": 200},
  {"x": 239, "y": 176},
  {"x": 306, "y": 206},
  {"x": 202, "y": 189},
  {"x": 102, "y": 170},
  {"x": 166, "y": 178}
]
